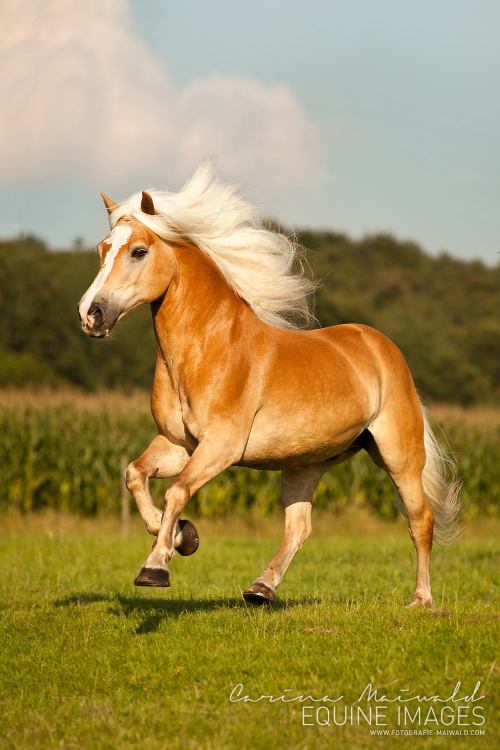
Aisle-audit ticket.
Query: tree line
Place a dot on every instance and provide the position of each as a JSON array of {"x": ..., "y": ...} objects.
[{"x": 442, "y": 312}]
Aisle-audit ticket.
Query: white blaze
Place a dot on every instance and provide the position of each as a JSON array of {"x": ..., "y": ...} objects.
[{"x": 117, "y": 238}]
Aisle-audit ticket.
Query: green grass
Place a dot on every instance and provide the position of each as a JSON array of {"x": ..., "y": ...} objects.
[{"x": 87, "y": 661}]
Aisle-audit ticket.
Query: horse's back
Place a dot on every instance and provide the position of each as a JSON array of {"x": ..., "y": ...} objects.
[{"x": 349, "y": 358}]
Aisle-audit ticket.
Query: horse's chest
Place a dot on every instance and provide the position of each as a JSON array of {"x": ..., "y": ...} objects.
[
  {"x": 188, "y": 417},
  {"x": 174, "y": 417}
]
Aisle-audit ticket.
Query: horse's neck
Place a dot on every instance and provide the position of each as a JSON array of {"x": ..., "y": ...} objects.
[{"x": 198, "y": 311}]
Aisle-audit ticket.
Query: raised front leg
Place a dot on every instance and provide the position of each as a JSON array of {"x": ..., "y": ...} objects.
[
  {"x": 161, "y": 459},
  {"x": 210, "y": 458},
  {"x": 297, "y": 488}
]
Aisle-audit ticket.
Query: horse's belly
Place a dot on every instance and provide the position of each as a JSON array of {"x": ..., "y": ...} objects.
[{"x": 278, "y": 440}]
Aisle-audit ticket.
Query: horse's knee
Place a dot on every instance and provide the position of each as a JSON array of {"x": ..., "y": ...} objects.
[
  {"x": 136, "y": 480},
  {"x": 134, "y": 477},
  {"x": 176, "y": 498}
]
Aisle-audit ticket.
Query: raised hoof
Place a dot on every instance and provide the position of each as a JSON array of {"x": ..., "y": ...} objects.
[
  {"x": 153, "y": 577},
  {"x": 190, "y": 539},
  {"x": 259, "y": 593}
]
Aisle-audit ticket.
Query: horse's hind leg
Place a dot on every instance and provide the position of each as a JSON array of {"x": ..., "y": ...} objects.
[
  {"x": 297, "y": 490},
  {"x": 420, "y": 525},
  {"x": 397, "y": 446}
]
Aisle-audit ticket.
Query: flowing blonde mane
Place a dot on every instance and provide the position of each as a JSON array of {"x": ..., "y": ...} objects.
[{"x": 261, "y": 265}]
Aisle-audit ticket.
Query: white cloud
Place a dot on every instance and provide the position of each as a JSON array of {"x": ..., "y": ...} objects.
[
  {"x": 85, "y": 98},
  {"x": 254, "y": 127}
]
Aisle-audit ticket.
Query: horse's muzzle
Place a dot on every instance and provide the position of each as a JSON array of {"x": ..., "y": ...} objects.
[{"x": 99, "y": 320}]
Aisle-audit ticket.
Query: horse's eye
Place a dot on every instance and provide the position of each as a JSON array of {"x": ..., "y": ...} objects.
[{"x": 139, "y": 252}]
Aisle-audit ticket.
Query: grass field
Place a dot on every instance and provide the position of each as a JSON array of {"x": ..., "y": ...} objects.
[{"x": 87, "y": 661}]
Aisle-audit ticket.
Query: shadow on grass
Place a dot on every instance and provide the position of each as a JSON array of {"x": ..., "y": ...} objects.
[{"x": 154, "y": 611}]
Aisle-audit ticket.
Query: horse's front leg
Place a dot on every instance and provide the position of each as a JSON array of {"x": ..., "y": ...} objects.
[
  {"x": 162, "y": 459},
  {"x": 298, "y": 486},
  {"x": 210, "y": 458}
]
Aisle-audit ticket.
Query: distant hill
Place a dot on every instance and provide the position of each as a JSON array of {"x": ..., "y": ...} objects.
[{"x": 442, "y": 312}]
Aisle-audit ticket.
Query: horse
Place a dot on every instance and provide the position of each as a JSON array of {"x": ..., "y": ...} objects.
[{"x": 242, "y": 379}]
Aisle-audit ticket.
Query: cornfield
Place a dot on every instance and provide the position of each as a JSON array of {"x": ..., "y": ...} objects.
[{"x": 66, "y": 452}]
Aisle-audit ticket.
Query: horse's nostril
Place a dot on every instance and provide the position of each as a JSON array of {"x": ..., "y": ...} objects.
[{"x": 96, "y": 312}]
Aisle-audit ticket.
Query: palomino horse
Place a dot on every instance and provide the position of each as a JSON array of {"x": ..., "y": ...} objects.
[{"x": 237, "y": 383}]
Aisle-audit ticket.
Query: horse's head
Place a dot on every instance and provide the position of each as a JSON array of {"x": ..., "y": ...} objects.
[{"x": 130, "y": 272}]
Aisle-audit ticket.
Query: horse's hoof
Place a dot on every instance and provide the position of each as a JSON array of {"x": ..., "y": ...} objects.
[
  {"x": 259, "y": 593},
  {"x": 190, "y": 540},
  {"x": 153, "y": 577}
]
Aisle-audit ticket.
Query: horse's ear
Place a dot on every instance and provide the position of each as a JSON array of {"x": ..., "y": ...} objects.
[
  {"x": 147, "y": 205},
  {"x": 110, "y": 205}
]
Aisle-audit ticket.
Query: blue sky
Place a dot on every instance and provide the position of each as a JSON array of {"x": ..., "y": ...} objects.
[{"x": 356, "y": 116}]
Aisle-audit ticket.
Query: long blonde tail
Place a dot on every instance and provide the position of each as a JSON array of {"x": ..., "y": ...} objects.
[{"x": 441, "y": 487}]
